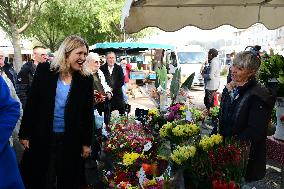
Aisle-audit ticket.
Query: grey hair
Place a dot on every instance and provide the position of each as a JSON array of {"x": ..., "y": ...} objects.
[
  {"x": 110, "y": 52},
  {"x": 247, "y": 60},
  {"x": 91, "y": 56}
]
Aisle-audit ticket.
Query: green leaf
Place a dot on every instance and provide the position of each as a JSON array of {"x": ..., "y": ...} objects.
[{"x": 188, "y": 82}]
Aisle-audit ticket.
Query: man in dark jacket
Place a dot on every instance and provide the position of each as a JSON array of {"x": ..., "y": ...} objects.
[
  {"x": 26, "y": 74},
  {"x": 7, "y": 69},
  {"x": 115, "y": 79}
]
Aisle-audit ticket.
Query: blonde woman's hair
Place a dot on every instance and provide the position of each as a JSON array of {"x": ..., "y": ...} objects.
[
  {"x": 69, "y": 44},
  {"x": 91, "y": 56}
]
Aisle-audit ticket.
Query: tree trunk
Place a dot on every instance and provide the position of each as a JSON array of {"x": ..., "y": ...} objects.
[{"x": 16, "y": 41}]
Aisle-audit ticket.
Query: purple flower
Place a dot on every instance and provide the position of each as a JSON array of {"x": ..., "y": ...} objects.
[{"x": 138, "y": 150}]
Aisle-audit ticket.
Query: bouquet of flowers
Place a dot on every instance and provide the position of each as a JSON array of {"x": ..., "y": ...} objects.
[
  {"x": 179, "y": 132},
  {"x": 154, "y": 121},
  {"x": 176, "y": 112},
  {"x": 218, "y": 161},
  {"x": 132, "y": 149}
]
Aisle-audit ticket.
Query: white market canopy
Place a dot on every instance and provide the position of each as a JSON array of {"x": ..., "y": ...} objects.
[{"x": 172, "y": 15}]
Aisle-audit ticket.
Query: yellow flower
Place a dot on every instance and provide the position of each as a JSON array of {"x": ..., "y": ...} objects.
[
  {"x": 151, "y": 182},
  {"x": 132, "y": 187},
  {"x": 165, "y": 128},
  {"x": 182, "y": 153},
  {"x": 182, "y": 107},
  {"x": 208, "y": 142},
  {"x": 130, "y": 158},
  {"x": 186, "y": 130},
  {"x": 153, "y": 112}
]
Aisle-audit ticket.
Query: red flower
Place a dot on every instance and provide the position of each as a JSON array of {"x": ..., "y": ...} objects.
[{"x": 282, "y": 118}]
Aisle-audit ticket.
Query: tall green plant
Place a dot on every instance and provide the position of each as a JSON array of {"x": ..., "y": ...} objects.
[
  {"x": 175, "y": 85},
  {"x": 188, "y": 82},
  {"x": 162, "y": 78}
]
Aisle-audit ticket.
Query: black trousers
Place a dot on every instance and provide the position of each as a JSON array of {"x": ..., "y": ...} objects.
[
  {"x": 209, "y": 98},
  {"x": 55, "y": 170}
]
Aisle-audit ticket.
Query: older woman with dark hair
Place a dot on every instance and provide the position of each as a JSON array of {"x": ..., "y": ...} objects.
[
  {"x": 245, "y": 111},
  {"x": 56, "y": 128}
]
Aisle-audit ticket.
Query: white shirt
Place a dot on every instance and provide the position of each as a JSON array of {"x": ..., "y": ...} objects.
[{"x": 110, "y": 69}]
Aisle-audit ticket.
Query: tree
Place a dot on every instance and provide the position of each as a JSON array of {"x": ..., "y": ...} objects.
[
  {"x": 98, "y": 21},
  {"x": 15, "y": 17}
]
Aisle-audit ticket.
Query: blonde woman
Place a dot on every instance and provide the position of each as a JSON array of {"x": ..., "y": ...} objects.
[{"x": 57, "y": 123}]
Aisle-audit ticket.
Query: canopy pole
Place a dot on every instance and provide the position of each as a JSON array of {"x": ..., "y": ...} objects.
[{"x": 259, "y": 7}]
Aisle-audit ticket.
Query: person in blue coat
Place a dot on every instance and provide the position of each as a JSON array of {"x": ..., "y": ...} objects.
[{"x": 10, "y": 177}]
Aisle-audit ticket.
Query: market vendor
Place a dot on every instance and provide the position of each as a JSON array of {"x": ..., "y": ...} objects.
[{"x": 245, "y": 111}]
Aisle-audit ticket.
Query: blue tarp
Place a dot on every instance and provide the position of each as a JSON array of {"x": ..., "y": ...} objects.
[{"x": 131, "y": 45}]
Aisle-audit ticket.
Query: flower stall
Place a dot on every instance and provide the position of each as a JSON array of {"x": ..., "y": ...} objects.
[{"x": 168, "y": 151}]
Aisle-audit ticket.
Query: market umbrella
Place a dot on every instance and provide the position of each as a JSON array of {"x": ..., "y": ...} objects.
[{"x": 172, "y": 15}]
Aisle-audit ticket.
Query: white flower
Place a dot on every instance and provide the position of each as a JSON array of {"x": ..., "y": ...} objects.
[{"x": 147, "y": 146}]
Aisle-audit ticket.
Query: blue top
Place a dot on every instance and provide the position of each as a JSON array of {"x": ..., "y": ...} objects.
[{"x": 62, "y": 91}]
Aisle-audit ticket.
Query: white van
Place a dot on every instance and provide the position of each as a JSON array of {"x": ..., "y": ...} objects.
[{"x": 190, "y": 58}]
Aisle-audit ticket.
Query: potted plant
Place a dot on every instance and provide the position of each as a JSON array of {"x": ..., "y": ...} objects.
[{"x": 271, "y": 74}]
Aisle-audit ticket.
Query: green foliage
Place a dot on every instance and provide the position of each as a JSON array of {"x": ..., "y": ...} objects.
[
  {"x": 214, "y": 111},
  {"x": 162, "y": 78},
  {"x": 175, "y": 85},
  {"x": 16, "y": 15},
  {"x": 94, "y": 20},
  {"x": 224, "y": 72},
  {"x": 59, "y": 19},
  {"x": 197, "y": 115},
  {"x": 188, "y": 82},
  {"x": 273, "y": 68}
]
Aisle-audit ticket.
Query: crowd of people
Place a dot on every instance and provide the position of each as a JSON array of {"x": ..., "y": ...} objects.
[{"x": 53, "y": 134}]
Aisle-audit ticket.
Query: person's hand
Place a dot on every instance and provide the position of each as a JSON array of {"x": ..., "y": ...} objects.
[
  {"x": 25, "y": 143},
  {"x": 230, "y": 86},
  {"x": 86, "y": 151}
]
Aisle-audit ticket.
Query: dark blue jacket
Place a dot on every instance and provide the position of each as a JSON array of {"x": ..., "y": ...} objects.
[{"x": 9, "y": 114}]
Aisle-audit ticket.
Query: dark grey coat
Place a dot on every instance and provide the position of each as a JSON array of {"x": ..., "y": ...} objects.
[{"x": 247, "y": 118}]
